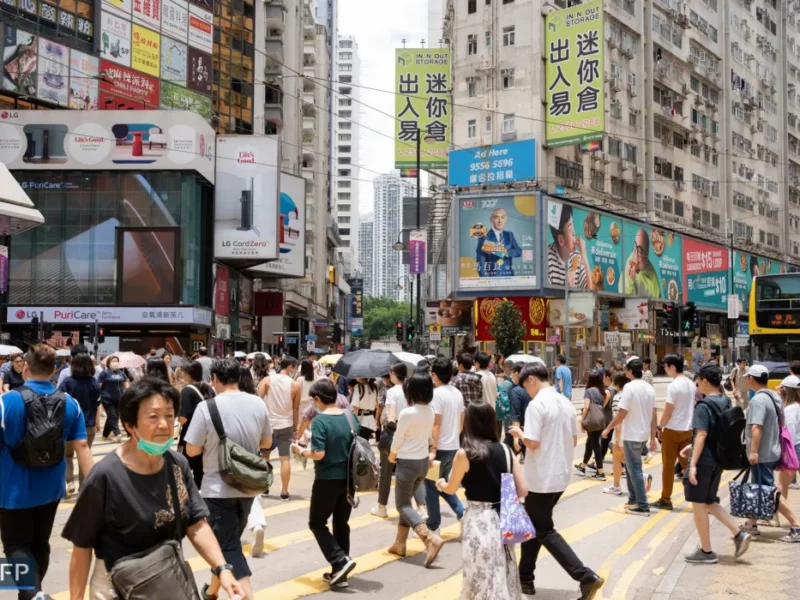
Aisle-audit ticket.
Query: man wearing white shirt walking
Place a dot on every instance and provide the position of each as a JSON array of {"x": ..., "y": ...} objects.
[
  {"x": 550, "y": 437},
  {"x": 488, "y": 380}
]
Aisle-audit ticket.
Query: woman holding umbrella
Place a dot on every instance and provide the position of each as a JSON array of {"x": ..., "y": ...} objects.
[{"x": 112, "y": 383}]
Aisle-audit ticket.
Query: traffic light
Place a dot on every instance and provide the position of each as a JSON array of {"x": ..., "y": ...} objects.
[
  {"x": 101, "y": 335},
  {"x": 690, "y": 317},
  {"x": 671, "y": 321},
  {"x": 398, "y": 331},
  {"x": 47, "y": 330},
  {"x": 337, "y": 333},
  {"x": 410, "y": 333},
  {"x": 35, "y": 328},
  {"x": 86, "y": 333},
  {"x": 280, "y": 339}
]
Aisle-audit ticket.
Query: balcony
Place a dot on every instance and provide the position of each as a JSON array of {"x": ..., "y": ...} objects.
[
  {"x": 308, "y": 145},
  {"x": 310, "y": 125},
  {"x": 272, "y": 68},
  {"x": 275, "y": 15},
  {"x": 311, "y": 213},
  {"x": 274, "y": 45},
  {"x": 273, "y": 113}
]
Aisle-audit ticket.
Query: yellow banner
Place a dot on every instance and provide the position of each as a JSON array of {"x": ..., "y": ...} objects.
[{"x": 146, "y": 51}]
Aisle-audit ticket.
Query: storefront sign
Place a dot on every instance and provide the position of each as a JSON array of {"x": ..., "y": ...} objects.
[
  {"x": 199, "y": 71},
  {"x": 175, "y": 19},
  {"x": 148, "y": 12},
  {"x": 53, "y": 72},
  {"x": 201, "y": 29},
  {"x": 611, "y": 339},
  {"x": 83, "y": 84},
  {"x": 175, "y": 97},
  {"x": 497, "y": 242},
  {"x": 453, "y": 316},
  {"x": 705, "y": 272},
  {"x": 634, "y": 315},
  {"x": 129, "y": 315},
  {"x": 3, "y": 269},
  {"x": 533, "y": 311},
  {"x": 115, "y": 39},
  {"x": 584, "y": 248},
  {"x": 246, "y": 198},
  {"x": 434, "y": 332},
  {"x": 653, "y": 267},
  {"x": 501, "y": 163},
  {"x": 222, "y": 286},
  {"x": 146, "y": 50},
  {"x": 122, "y": 8},
  {"x": 625, "y": 339},
  {"x": 245, "y": 294},
  {"x": 121, "y": 82},
  {"x": 174, "y": 57},
  {"x": 417, "y": 251},
  {"x": 581, "y": 310}
]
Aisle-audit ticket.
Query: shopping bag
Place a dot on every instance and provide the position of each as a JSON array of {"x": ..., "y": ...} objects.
[
  {"x": 753, "y": 500},
  {"x": 515, "y": 524}
]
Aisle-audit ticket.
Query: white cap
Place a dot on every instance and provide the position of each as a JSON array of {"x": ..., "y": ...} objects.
[
  {"x": 756, "y": 371},
  {"x": 791, "y": 382},
  {"x": 632, "y": 357}
]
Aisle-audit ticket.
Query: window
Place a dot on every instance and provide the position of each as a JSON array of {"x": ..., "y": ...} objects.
[
  {"x": 345, "y": 55},
  {"x": 345, "y": 114},
  {"x": 344, "y": 196},
  {"x": 471, "y": 87},
  {"x": 344, "y": 160},
  {"x": 598, "y": 181},
  {"x": 509, "y": 124},
  {"x": 345, "y": 102},
  {"x": 345, "y": 125},
  {"x": 614, "y": 147},
  {"x": 633, "y": 119},
  {"x": 488, "y": 123},
  {"x": 508, "y": 79},
  {"x": 472, "y": 7},
  {"x": 616, "y": 110},
  {"x": 472, "y": 44},
  {"x": 472, "y": 128},
  {"x": 346, "y": 79},
  {"x": 507, "y": 1},
  {"x": 488, "y": 35},
  {"x": 344, "y": 184},
  {"x": 630, "y": 153},
  {"x": 489, "y": 82},
  {"x": 344, "y": 172},
  {"x": 345, "y": 137},
  {"x": 343, "y": 220},
  {"x": 345, "y": 67},
  {"x": 508, "y": 36},
  {"x": 344, "y": 207},
  {"x": 345, "y": 44}
]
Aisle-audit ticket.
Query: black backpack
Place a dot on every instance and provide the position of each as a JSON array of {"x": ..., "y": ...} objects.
[
  {"x": 727, "y": 439},
  {"x": 43, "y": 442}
]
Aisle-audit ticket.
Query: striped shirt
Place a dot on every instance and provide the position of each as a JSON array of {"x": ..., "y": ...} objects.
[{"x": 557, "y": 269}]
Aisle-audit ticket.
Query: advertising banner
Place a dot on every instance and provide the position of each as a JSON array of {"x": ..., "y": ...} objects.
[
  {"x": 3, "y": 269},
  {"x": 115, "y": 41},
  {"x": 174, "y": 56},
  {"x": 53, "y": 72},
  {"x": 175, "y": 97},
  {"x": 745, "y": 267},
  {"x": 233, "y": 302},
  {"x": 357, "y": 320},
  {"x": 422, "y": 103},
  {"x": 292, "y": 230},
  {"x": 497, "y": 242},
  {"x": 122, "y": 8},
  {"x": 584, "y": 248},
  {"x": 201, "y": 29},
  {"x": 19, "y": 61},
  {"x": 634, "y": 315},
  {"x": 200, "y": 65},
  {"x": 123, "y": 82},
  {"x": 654, "y": 264},
  {"x": 453, "y": 316},
  {"x": 245, "y": 294},
  {"x": 501, "y": 163},
  {"x": 148, "y": 265},
  {"x": 533, "y": 311},
  {"x": 705, "y": 274},
  {"x": 175, "y": 19},
  {"x": 128, "y": 140},
  {"x": 133, "y": 315},
  {"x": 221, "y": 290},
  {"x": 246, "y": 198},
  {"x": 148, "y": 12},
  {"x": 83, "y": 84},
  {"x": 581, "y": 310},
  {"x": 146, "y": 50},
  {"x": 574, "y": 43},
  {"x": 417, "y": 248}
]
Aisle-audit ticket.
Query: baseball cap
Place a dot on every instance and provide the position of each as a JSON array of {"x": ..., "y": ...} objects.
[
  {"x": 791, "y": 382},
  {"x": 632, "y": 357},
  {"x": 757, "y": 371}
]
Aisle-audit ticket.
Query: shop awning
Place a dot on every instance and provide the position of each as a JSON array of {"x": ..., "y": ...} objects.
[{"x": 17, "y": 212}]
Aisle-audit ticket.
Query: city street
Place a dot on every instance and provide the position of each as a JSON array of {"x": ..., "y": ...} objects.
[{"x": 640, "y": 558}]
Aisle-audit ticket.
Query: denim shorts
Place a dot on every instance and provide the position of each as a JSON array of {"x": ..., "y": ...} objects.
[{"x": 763, "y": 473}]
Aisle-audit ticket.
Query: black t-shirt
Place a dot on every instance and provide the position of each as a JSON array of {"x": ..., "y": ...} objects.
[
  {"x": 190, "y": 400},
  {"x": 14, "y": 379},
  {"x": 705, "y": 418},
  {"x": 112, "y": 385},
  {"x": 120, "y": 513}
]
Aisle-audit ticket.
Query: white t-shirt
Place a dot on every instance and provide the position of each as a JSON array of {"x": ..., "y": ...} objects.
[
  {"x": 489, "y": 385},
  {"x": 639, "y": 399},
  {"x": 680, "y": 393},
  {"x": 367, "y": 402},
  {"x": 792, "y": 416},
  {"x": 550, "y": 420},
  {"x": 414, "y": 428},
  {"x": 395, "y": 397},
  {"x": 449, "y": 403}
]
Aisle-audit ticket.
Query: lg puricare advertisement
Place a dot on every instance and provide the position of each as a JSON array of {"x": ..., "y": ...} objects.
[
  {"x": 246, "y": 198},
  {"x": 497, "y": 242}
]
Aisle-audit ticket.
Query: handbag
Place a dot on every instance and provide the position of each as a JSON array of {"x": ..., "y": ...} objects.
[
  {"x": 161, "y": 572},
  {"x": 238, "y": 467},
  {"x": 788, "y": 460},
  {"x": 595, "y": 418},
  {"x": 753, "y": 500},
  {"x": 515, "y": 524}
]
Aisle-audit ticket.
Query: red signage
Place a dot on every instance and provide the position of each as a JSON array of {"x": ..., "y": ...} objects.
[
  {"x": 222, "y": 292},
  {"x": 123, "y": 86},
  {"x": 534, "y": 317},
  {"x": 268, "y": 304}
]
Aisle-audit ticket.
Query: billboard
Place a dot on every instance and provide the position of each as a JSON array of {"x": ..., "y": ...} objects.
[
  {"x": 246, "y": 198},
  {"x": 115, "y": 38},
  {"x": 417, "y": 250},
  {"x": 201, "y": 29},
  {"x": 53, "y": 72},
  {"x": 574, "y": 46},
  {"x": 148, "y": 265},
  {"x": 745, "y": 267},
  {"x": 38, "y": 140},
  {"x": 497, "y": 242},
  {"x": 581, "y": 310},
  {"x": 584, "y": 248},
  {"x": 83, "y": 84},
  {"x": 534, "y": 317},
  {"x": 453, "y": 316},
  {"x": 125, "y": 87},
  {"x": 19, "y": 61},
  {"x": 174, "y": 60},
  {"x": 222, "y": 286},
  {"x": 175, "y": 97},
  {"x": 292, "y": 230},
  {"x": 705, "y": 274},
  {"x": 200, "y": 68},
  {"x": 357, "y": 314},
  {"x": 500, "y": 163},
  {"x": 133, "y": 315},
  {"x": 422, "y": 103},
  {"x": 146, "y": 50},
  {"x": 633, "y": 315},
  {"x": 654, "y": 264}
]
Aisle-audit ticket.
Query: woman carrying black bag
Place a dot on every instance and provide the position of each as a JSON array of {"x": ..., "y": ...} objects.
[{"x": 126, "y": 511}]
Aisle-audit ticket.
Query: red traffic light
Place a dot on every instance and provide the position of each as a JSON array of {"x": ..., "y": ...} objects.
[{"x": 399, "y": 325}]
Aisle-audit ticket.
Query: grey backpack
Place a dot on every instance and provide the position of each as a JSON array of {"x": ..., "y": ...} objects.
[{"x": 364, "y": 468}]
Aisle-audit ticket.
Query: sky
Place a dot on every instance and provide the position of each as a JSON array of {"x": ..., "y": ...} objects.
[{"x": 379, "y": 26}]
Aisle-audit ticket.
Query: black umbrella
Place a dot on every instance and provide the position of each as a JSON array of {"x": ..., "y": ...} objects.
[{"x": 365, "y": 363}]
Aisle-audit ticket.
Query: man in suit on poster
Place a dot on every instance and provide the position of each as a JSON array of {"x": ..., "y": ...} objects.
[{"x": 497, "y": 248}]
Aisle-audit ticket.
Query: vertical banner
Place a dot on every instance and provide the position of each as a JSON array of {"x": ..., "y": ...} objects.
[
  {"x": 417, "y": 248},
  {"x": 221, "y": 291},
  {"x": 705, "y": 274},
  {"x": 422, "y": 102},
  {"x": 574, "y": 43},
  {"x": 357, "y": 308},
  {"x": 3, "y": 269}
]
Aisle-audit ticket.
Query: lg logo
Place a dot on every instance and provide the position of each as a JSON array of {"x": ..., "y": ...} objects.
[
  {"x": 9, "y": 115},
  {"x": 20, "y": 314}
]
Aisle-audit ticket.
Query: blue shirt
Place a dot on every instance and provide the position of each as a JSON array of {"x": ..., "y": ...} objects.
[
  {"x": 21, "y": 487},
  {"x": 564, "y": 374}
]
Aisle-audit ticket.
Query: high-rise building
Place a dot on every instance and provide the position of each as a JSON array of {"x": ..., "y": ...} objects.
[
  {"x": 436, "y": 10},
  {"x": 695, "y": 106},
  {"x": 346, "y": 134},
  {"x": 387, "y": 267},
  {"x": 366, "y": 251}
]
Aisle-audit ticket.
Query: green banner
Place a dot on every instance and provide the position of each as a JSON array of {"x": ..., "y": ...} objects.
[
  {"x": 653, "y": 265},
  {"x": 574, "y": 42},
  {"x": 422, "y": 104}
]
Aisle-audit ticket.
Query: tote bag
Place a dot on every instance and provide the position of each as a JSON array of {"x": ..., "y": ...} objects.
[
  {"x": 753, "y": 500},
  {"x": 515, "y": 524}
]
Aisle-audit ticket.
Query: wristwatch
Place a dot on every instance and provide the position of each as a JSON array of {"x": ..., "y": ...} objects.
[{"x": 217, "y": 570}]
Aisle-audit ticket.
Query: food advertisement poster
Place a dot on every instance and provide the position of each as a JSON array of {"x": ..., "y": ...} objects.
[
  {"x": 533, "y": 311},
  {"x": 634, "y": 315},
  {"x": 745, "y": 267},
  {"x": 653, "y": 263},
  {"x": 584, "y": 248},
  {"x": 497, "y": 242},
  {"x": 453, "y": 316},
  {"x": 146, "y": 50},
  {"x": 83, "y": 71},
  {"x": 705, "y": 274},
  {"x": 19, "y": 61},
  {"x": 115, "y": 41},
  {"x": 121, "y": 81},
  {"x": 581, "y": 310},
  {"x": 53, "y": 72},
  {"x": 174, "y": 56}
]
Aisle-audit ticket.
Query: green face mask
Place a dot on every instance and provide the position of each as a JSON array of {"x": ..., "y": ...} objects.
[{"x": 152, "y": 448}]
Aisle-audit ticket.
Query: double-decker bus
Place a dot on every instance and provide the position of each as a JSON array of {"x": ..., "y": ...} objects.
[{"x": 775, "y": 323}]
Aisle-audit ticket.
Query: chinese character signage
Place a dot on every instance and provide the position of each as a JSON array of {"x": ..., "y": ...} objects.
[
  {"x": 53, "y": 72},
  {"x": 221, "y": 291},
  {"x": 201, "y": 29},
  {"x": 705, "y": 274},
  {"x": 174, "y": 56},
  {"x": 501, "y": 163},
  {"x": 534, "y": 317},
  {"x": 175, "y": 19},
  {"x": 122, "y": 82},
  {"x": 584, "y": 248},
  {"x": 422, "y": 103},
  {"x": 574, "y": 44},
  {"x": 3, "y": 269},
  {"x": 115, "y": 39},
  {"x": 200, "y": 66},
  {"x": 147, "y": 12},
  {"x": 83, "y": 84},
  {"x": 146, "y": 51},
  {"x": 497, "y": 242},
  {"x": 452, "y": 316},
  {"x": 653, "y": 267},
  {"x": 417, "y": 249},
  {"x": 119, "y": 7}
]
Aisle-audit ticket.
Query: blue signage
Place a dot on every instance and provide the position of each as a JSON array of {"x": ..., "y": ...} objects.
[
  {"x": 291, "y": 339},
  {"x": 17, "y": 574},
  {"x": 501, "y": 163}
]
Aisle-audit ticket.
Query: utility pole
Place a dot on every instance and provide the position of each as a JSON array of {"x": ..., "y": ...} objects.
[
  {"x": 418, "y": 329},
  {"x": 96, "y": 345}
]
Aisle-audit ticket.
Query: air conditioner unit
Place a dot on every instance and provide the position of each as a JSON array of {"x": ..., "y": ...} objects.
[
  {"x": 627, "y": 53},
  {"x": 693, "y": 59},
  {"x": 751, "y": 150},
  {"x": 680, "y": 186},
  {"x": 605, "y": 158},
  {"x": 764, "y": 82},
  {"x": 632, "y": 90},
  {"x": 753, "y": 128},
  {"x": 698, "y": 99},
  {"x": 747, "y": 33},
  {"x": 624, "y": 165},
  {"x": 686, "y": 89},
  {"x": 612, "y": 43},
  {"x": 616, "y": 84},
  {"x": 637, "y": 171}
]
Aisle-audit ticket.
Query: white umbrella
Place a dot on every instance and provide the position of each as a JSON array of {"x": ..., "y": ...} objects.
[
  {"x": 5, "y": 350},
  {"x": 252, "y": 355},
  {"x": 524, "y": 358},
  {"x": 239, "y": 354},
  {"x": 63, "y": 352},
  {"x": 409, "y": 358}
]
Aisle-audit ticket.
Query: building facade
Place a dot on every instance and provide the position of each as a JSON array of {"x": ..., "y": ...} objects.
[
  {"x": 366, "y": 251},
  {"x": 387, "y": 266}
]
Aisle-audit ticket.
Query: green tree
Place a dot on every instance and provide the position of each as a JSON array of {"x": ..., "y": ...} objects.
[
  {"x": 507, "y": 328},
  {"x": 381, "y": 314}
]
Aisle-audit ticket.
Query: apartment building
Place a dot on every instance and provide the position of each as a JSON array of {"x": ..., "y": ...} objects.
[
  {"x": 387, "y": 264},
  {"x": 366, "y": 252}
]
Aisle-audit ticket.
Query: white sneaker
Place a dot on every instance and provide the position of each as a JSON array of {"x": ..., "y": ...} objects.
[
  {"x": 648, "y": 458},
  {"x": 379, "y": 511},
  {"x": 613, "y": 490},
  {"x": 258, "y": 542},
  {"x": 423, "y": 512}
]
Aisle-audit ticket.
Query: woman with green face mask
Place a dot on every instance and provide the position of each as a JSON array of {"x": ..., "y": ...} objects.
[{"x": 126, "y": 502}]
